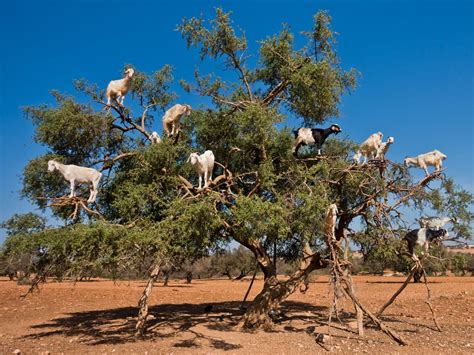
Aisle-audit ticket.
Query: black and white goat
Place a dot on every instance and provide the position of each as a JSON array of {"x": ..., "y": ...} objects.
[
  {"x": 423, "y": 237},
  {"x": 313, "y": 136}
]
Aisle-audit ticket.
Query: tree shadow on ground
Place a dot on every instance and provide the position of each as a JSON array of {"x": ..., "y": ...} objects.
[
  {"x": 182, "y": 323},
  {"x": 401, "y": 281}
]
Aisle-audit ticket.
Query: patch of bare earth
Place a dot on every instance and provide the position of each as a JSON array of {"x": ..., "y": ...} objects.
[{"x": 99, "y": 317}]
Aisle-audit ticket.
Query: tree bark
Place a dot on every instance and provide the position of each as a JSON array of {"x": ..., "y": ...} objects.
[
  {"x": 143, "y": 302},
  {"x": 275, "y": 291},
  {"x": 167, "y": 278}
]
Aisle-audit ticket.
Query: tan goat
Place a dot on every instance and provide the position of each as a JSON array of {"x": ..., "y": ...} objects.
[
  {"x": 117, "y": 89},
  {"x": 172, "y": 118},
  {"x": 434, "y": 158}
]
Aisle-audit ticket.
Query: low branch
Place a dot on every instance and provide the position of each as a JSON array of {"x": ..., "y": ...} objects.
[
  {"x": 77, "y": 202},
  {"x": 394, "y": 335},
  {"x": 109, "y": 162},
  {"x": 395, "y": 295},
  {"x": 250, "y": 287},
  {"x": 428, "y": 301}
]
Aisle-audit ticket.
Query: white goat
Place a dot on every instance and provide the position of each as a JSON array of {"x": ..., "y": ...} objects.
[
  {"x": 368, "y": 148},
  {"x": 74, "y": 173},
  {"x": 117, "y": 89},
  {"x": 434, "y": 158},
  {"x": 435, "y": 223},
  {"x": 204, "y": 164},
  {"x": 356, "y": 157},
  {"x": 171, "y": 118},
  {"x": 383, "y": 148},
  {"x": 155, "y": 138}
]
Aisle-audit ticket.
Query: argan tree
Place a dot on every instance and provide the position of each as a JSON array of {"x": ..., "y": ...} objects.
[{"x": 149, "y": 213}]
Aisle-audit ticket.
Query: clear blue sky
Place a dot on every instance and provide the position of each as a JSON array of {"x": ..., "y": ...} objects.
[{"x": 415, "y": 57}]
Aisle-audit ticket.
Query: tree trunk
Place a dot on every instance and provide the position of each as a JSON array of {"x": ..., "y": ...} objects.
[
  {"x": 242, "y": 274},
  {"x": 189, "y": 277},
  {"x": 167, "y": 278},
  {"x": 274, "y": 291},
  {"x": 417, "y": 276},
  {"x": 143, "y": 302}
]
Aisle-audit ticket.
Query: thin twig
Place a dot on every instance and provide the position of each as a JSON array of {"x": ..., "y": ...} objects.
[{"x": 428, "y": 301}]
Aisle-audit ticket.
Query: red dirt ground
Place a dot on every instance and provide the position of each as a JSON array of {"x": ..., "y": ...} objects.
[{"x": 99, "y": 317}]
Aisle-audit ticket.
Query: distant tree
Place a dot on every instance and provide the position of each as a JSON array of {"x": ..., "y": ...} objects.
[
  {"x": 460, "y": 263},
  {"x": 17, "y": 255},
  {"x": 234, "y": 263},
  {"x": 23, "y": 224},
  {"x": 244, "y": 262}
]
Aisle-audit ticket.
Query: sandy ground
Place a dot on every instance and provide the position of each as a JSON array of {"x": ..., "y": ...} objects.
[{"x": 99, "y": 317}]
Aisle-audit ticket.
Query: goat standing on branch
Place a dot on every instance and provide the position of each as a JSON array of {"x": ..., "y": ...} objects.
[
  {"x": 383, "y": 148},
  {"x": 434, "y": 158},
  {"x": 172, "y": 118},
  {"x": 369, "y": 148},
  {"x": 204, "y": 164},
  {"x": 74, "y": 173},
  {"x": 313, "y": 136},
  {"x": 423, "y": 237},
  {"x": 117, "y": 89},
  {"x": 435, "y": 222}
]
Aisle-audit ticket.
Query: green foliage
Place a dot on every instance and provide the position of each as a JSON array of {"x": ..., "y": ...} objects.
[
  {"x": 383, "y": 252},
  {"x": 256, "y": 217},
  {"x": 72, "y": 130},
  {"x": 219, "y": 40},
  {"x": 454, "y": 201},
  {"x": 311, "y": 88},
  {"x": 277, "y": 58},
  {"x": 460, "y": 263},
  {"x": 23, "y": 224},
  {"x": 154, "y": 90}
]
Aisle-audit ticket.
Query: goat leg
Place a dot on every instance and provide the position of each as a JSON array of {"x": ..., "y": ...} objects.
[{"x": 72, "y": 189}]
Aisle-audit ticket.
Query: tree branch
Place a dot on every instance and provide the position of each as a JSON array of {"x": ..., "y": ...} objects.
[
  {"x": 238, "y": 65},
  {"x": 109, "y": 163},
  {"x": 144, "y": 114}
]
